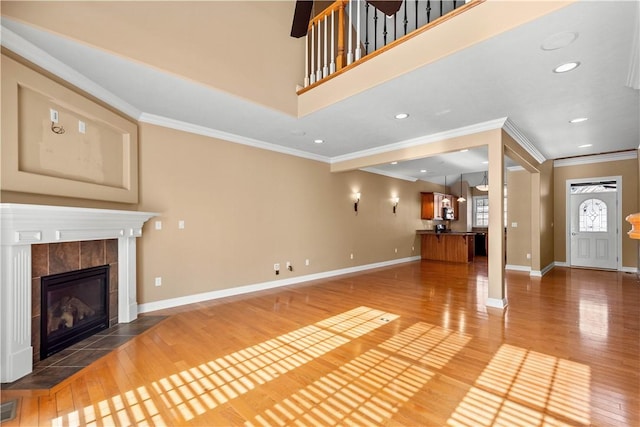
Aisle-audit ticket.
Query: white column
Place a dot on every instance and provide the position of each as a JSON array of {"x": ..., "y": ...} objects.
[
  {"x": 16, "y": 354},
  {"x": 127, "y": 302}
]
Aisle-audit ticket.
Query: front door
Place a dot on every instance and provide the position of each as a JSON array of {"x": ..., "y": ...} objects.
[{"x": 593, "y": 230}]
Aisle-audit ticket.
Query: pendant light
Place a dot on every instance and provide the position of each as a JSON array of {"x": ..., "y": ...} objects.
[
  {"x": 461, "y": 199},
  {"x": 485, "y": 185}
]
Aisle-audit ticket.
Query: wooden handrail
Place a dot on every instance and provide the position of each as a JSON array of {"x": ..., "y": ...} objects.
[
  {"x": 341, "y": 64},
  {"x": 634, "y": 220}
]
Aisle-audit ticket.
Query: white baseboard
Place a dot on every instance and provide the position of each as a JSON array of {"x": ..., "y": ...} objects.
[
  {"x": 629, "y": 270},
  {"x": 497, "y": 303},
  {"x": 545, "y": 270},
  {"x": 517, "y": 267},
  {"x": 561, "y": 264},
  {"x": 223, "y": 293}
]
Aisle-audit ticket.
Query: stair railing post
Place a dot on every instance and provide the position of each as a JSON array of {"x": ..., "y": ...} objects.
[
  {"x": 332, "y": 65},
  {"x": 341, "y": 25},
  {"x": 358, "y": 49},
  {"x": 349, "y": 45},
  {"x": 325, "y": 69}
]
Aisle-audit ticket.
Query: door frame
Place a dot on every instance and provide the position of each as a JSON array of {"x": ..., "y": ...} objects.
[{"x": 618, "y": 180}]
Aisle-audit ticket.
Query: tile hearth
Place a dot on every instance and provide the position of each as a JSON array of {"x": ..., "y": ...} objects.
[{"x": 55, "y": 369}]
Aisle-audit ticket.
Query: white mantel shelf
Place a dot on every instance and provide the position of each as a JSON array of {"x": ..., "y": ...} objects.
[{"x": 24, "y": 225}]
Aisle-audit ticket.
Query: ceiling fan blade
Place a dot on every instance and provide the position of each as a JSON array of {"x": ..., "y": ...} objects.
[
  {"x": 301, "y": 18},
  {"x": 386, "y": 6}
]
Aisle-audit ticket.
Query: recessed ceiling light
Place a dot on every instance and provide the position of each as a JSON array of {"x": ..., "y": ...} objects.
[
  {"x": 394, "y": 163},
  {"x": 464, "y": 150},
  {"x": 584, "y": 145},
  {"x": 579, "y": 120},
  {"x": 423, "y": 171},
  {"x": 318, "y": 141},
  {"x": 486, "y": 162},
  {"x": 401, "y": 116},
  {"x": 566, "y": 67}
]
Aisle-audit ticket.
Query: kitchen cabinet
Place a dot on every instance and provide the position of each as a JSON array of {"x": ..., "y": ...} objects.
[{"x": 432, "y": 204}]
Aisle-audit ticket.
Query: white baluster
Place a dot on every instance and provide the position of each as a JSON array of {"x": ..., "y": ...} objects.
[
  {"x": 306, "y": 60},
  {"x": 358, "y": 50},
  {"x": 332, "y": 65},
  {"x": 325, "y": 69},
  {"x": 348, "y": 35},
  {"x": 318, "y": 69},
  {"x": 312, "y": 77}
]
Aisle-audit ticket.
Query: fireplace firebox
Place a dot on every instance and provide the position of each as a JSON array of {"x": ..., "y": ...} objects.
[{"x": 75, "y": 305}]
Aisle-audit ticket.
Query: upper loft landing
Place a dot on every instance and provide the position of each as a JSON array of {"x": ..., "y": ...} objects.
[{"x": 351, "y": 47}]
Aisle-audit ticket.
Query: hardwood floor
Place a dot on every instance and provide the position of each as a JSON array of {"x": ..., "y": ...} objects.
[{"x": 406, "y": 345}]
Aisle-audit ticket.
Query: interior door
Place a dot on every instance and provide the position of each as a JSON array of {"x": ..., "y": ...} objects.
[{"x": 593, "y": 230}]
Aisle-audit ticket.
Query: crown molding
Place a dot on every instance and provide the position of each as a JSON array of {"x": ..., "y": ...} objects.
[
  {"x": 422, "y": 140},
  {"x": 213, "y": 133},
  {"x": 41, "y": 58},
  {"x": 522, "y": 140},
  {"x": 390, "y": 174},
  {"x": 596, "y": 158}
]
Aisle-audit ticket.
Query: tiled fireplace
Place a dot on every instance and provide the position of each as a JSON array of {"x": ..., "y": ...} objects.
[{"x": 38, "y": 240}]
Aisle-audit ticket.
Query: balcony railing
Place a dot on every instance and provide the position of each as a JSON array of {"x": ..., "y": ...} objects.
[{"x": 350, "y": 31}]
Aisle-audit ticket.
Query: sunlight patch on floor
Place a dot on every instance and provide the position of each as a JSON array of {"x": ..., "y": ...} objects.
[
  {"x": 371, "y": 388},
  {"x": 523, "y": 387},
  {"x": 192, "y": 392}
]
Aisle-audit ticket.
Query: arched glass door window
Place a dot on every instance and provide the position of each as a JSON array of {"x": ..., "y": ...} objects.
[{"x": 593, "y": 216}]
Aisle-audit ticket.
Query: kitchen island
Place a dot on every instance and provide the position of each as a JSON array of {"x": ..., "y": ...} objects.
[{"x": 450, "y": 246}]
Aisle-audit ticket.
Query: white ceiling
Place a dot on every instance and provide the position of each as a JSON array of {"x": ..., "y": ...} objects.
[{"x": 509, "y": 75}]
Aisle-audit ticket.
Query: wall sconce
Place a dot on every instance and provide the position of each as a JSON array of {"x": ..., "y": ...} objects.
[
  {"x": 356, "y": 197},
  {"x": 394, "y": 201}
]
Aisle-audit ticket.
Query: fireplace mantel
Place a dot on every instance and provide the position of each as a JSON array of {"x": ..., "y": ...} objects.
[{"x": 24, "y": 225}]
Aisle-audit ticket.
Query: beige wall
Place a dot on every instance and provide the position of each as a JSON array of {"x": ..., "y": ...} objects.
[
  {"x": 519, "y": 211},
  {"x": 158, "y": 34},
  {"x": 246, "y": 209},
  {"x": 628, "y": 169}
]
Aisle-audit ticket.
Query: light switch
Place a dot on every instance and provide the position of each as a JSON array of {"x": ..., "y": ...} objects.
[
  {"x": 181, "y": 224},
  {"x": 158, "y": 225},
  {"x": 82, "y": 127},
  {"x": 514, "y": 224}
]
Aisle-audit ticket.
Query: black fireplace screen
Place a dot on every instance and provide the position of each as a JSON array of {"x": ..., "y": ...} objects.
[{"x": 75, "y": 305}]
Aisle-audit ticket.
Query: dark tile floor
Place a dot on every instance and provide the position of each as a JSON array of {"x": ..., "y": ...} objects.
[{"x": 54, "y": 369}]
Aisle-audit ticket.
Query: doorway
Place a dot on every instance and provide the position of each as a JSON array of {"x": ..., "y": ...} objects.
[{"x": 593, "y": 223}]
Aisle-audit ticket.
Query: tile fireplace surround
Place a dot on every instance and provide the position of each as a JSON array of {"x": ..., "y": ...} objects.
[{"x": 24, "y": 225}]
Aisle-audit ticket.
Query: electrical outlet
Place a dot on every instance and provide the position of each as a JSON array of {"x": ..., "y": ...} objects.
[
  {"x": 351, "y": 256},
  {"x": 413, "y": 248},
  {"x": 158, "y": 281},
  {"x": 306, "y": 262},
  {"x": 158, "y": 225},
  {"x": 82, "y": 126},
  {"x": 276, "y": 267},
  {"x": 396, "y": 250},
  {"x": 528, "y": 256},
  {"x": 289, "y": 266},
  {"x": 181, "y": 224}
]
